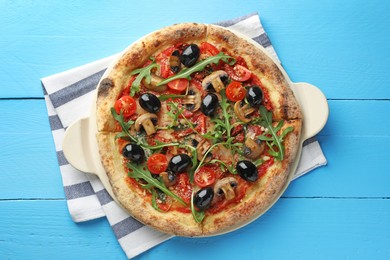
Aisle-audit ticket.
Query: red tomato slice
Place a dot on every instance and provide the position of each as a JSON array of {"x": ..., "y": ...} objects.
[
  {"x": 126, "y": 105},
  {"x": 183, "y": 187},
  {"x": 238, "y": 72},
  {"x": 207, "y": 48},
  {"x": 178, "y": 85},
  {"x": 200, "y": 120},
  {"x": 235, "y": 91},
  {"x": 185, "y": 113},
  {"x": 204, "y": 177},
  {"x": 157, "y": 163},
  {"x": 163, "y": 60}
]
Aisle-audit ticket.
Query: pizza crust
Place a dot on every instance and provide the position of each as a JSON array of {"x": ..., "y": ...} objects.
[
  {"x": 284, "y": 103},
  {"x": 261, "y": 195},
  {"x": 134, "y": 57}
]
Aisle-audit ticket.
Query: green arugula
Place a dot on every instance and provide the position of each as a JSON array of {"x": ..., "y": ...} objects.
[
  {"x": 168, "y": 96},
  {"x": 221, "y": 126},
  {"x": 138, "y": 172},
  {"x": 142, "y": 73},
  {"x": 271, "y": 137},
  {"x": 125, "y": 134},
  {"x": 198, "y": 215},
  {"x": 186, "y": 73}
]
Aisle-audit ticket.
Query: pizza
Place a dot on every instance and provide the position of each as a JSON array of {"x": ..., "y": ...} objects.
[{"x": 197, "y": 130}]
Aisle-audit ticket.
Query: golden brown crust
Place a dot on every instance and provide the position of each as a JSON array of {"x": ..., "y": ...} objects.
[
  {"x": 134, "y": 57},
  {"x": 284, "y": 103},
  {"x": 261, "y": 195},
  {"x": 133, "y": 199}
]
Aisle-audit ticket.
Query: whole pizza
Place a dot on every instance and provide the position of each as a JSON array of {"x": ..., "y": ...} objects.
[{"x": 197, "y": 129}]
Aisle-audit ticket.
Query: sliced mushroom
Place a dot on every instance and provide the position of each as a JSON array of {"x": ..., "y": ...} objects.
[
  {"x": 174, "y": 62},
  {"x": 243, "y": 112},
  {"x": 225, "y": 187},
  {"x": 215, "y": 81},
  {"x": 253, "y": 148},
  {"x": 201, "y": 149},
  {"x": 169, "y": 178},
  {"x": 193, "y": 99},
  {"x": 147, "y": 121},
  {"x": 152, "y": 85}
]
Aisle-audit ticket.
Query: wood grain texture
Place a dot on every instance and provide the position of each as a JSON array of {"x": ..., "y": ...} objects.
[
  {"x": 293, "y": 228},
  {"x": 340, "y": 211},
  {"x": 37, "y": 229}
]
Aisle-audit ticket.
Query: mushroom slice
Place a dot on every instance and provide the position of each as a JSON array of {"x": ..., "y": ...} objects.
[
  {"x": 169, "y": 178},
  {"x": 152, "y": 85},
  {"x": 193, "y": 99},
  {"x": 253, "y": 149},
  {"x": 215, "y": 80},
  {"x": 146, "y": 121},
  {"x": 243, "y": 111},
  {"x": 226, "y": 187},
  {"x": 201, "y": 149}
]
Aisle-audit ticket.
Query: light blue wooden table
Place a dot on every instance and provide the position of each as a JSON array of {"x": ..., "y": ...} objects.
[{"x": 341, "y": 211}]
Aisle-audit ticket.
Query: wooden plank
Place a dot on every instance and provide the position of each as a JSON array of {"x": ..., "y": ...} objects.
[
  {"x": 19, "y": 115},
  {"x": 292, "y": 229},
  {"x": 328, "y": 50},
  {"x": 357, "y": 167},
  {"x": 44, "y": 230},
  {"x": 29, "y": 167},
  {"x": 357, "y": 153}
]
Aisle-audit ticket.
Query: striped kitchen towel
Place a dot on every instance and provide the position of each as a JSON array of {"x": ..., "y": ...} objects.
[{"x": 68, "y": 96}]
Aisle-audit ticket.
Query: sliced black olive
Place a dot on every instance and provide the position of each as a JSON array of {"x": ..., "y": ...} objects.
[
  {"x": 134, "y": 153},
  {"x": 254, "y": 96},
  {"x": 174, "y": 61},
  {"x": 179, "y": 163},
  {"x": 190, "y": 55},
  {"x": 247, "y": 170},
  {"x": 150, "y": 102},
  {"x": 209, "y": 104},
  {"x": 203, "y": 198}
]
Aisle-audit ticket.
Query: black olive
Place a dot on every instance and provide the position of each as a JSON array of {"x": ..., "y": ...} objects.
[
  {"x": 179, "y": 163},
  {"x": 254, "y": 96},
  {"x": 203, "y": 198},
  {"x": 134, "y": 153},
  {"x": 190, "y": 55},
  {"x": 247, "y": 170},
  {"x": 150, "y": 102},
  {"x": 209, "y": 104}
]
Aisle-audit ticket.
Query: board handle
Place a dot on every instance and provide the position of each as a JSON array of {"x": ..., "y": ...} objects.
[
  {"x": 77, "y": 146},
  {"x": 314, "y": 107}
]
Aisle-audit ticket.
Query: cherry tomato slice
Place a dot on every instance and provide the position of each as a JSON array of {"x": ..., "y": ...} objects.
[
  {"x": 238, "y": 72},
  {"x": 204, "y": 177},
  {"x": 178, "y": 85},
  {"x": 235, "y": 91},
  {"x": 157, "y": 163},
  {"x": 126, "y": 105}
]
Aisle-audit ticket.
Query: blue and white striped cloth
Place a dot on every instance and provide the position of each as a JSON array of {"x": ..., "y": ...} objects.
[{"x": 68, "y": 96}]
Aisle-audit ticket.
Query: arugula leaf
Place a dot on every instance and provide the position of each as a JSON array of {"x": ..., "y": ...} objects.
[
  {"x": 198, "y": 215},
  {"x": 142, "y": 73},
  {"x": 125, "y": 134},
  {"x": 186, "y": 73},
  {"x": 168, "y": 96},
  {"x": 139, "y": 173},
  {"x": 271, "y": 137}
]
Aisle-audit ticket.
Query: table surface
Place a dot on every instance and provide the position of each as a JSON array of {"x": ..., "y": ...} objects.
[{"x": 338, "y": 211}]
